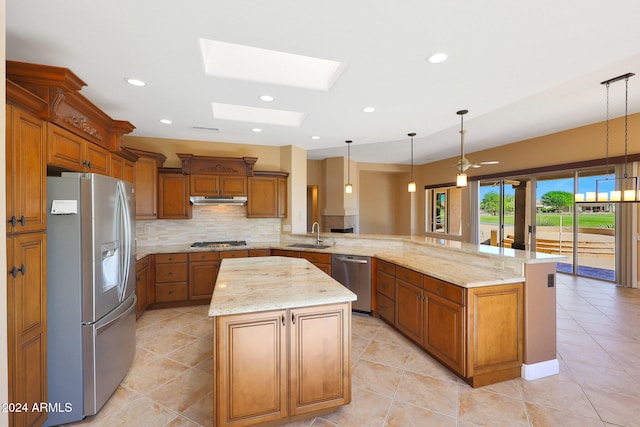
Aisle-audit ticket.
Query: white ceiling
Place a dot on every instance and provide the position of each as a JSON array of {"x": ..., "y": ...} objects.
[{"x": 522, "y": 69}]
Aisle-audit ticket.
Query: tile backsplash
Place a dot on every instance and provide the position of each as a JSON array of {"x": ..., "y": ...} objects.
[{"x": 208, "y": 223}]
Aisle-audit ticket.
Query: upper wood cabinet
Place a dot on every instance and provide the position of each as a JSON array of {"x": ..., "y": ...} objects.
[
  {"x": 68, "y": 151},
  {"x": 122, "y": 165},
  {"x": 26, "y": 171},
  {"x": 173, "y": 194},
  {"x": 218, "y": 185},
  {"x": 267, "y": 196},
  {"x": 146, "y": 182}
]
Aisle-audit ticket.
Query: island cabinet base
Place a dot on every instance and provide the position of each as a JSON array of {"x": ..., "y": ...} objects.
[{"x": 278, "y": 366}]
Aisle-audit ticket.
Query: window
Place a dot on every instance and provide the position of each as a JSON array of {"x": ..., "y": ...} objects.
[{"x": 444, "y": 207}]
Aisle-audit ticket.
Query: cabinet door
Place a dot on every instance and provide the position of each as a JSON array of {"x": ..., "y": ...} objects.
[
  {"x": 26, "y": 173},
  {"x": 282, "y": 197},
  {"x": 129, "y": 171},
  {"x": 250, "y": 359},
  {"x": 233, "y": 185},
  {"x": 146, "y": 185},
  {"x": 116, "y": 166},
  {"x": 204, "y": 185},
  {"x": 262, "y": 201},
  {"x": 202, "y": 278},
  {"x": 27, "y": 315},
  {"x": 65, "y": 149},
  {"x": 173, "y": 200},
  {"x": 409, "y": 310},
  {"x": 142, "y": 286},
  {"x": 444, "y": 331},
  {"x": 96, "y": 159},
  {"x": 320, "y": 358}
]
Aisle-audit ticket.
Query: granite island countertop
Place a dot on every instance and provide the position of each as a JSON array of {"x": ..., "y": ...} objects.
[{"x": 246, "y": 285}]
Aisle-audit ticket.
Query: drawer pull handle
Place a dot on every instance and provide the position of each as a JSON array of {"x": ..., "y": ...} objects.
[{"x": 440, "y": 288}]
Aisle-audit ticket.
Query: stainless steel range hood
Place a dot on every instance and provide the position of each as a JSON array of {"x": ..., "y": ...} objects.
[{"x": 218, "y": 200}]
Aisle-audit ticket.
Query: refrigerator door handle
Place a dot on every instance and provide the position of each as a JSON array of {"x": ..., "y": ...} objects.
[{"x": 126, "y": 240}]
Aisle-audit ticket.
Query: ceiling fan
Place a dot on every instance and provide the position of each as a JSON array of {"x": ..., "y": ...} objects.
[{"x": 464, "y": 164}]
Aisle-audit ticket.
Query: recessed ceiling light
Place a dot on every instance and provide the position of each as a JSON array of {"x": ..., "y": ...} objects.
[
  {"x": 135, "y": 82},
  {"x": 165, "y": 121},
  {"x": 266, "y": 98},
  {"x": 236, "y": 61},
  {"x": 242, "y": 113},
  {"x": 438, "y": 58},
  {"x": 369, "y": 109},
  {"x": 256, "y": 130},
  {"x": 315, "y": 137}
]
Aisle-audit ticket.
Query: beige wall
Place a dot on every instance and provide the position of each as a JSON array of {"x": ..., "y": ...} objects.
[{"x": 385, "y": 204}]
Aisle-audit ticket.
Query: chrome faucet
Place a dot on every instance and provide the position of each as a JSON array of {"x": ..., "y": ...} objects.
[{"x": 313, "y": 227}]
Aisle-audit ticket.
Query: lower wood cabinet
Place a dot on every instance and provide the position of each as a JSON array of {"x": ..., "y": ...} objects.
[
  {"x": 320, "y": 260},
  {"x": 476, "y": 332},
  {"x": 203, "y": 271},
  {"x": 27, "y": 332},
  {"x": 142, "y": 285},
  {"x": 171, "y": 278},
  {"x": 277, "y": 365}
]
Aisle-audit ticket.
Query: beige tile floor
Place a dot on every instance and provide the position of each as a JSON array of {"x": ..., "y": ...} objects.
[{"x": 396, "y": 384}]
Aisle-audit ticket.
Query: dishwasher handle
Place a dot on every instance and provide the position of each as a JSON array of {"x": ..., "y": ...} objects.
[{"x": 352, "y": 260}]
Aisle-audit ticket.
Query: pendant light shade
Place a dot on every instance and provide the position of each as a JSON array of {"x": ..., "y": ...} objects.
[
  {"x": 411, "y": 187},
  {"x": 348, "y": 188},
  {"x": 461, "y": 177},
  {"x": 616, "y": 189}
]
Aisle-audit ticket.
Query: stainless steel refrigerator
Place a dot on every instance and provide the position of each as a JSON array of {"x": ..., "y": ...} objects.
[{"x": 91, "y": 291}]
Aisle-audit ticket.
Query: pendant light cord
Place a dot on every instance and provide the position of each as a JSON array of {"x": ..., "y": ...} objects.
[{"x": 626, "y": 122}]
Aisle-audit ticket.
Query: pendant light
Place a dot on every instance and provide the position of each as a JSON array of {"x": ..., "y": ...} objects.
[
  {"x": 616, "y": 190},
  {"x": 411, "y": 187},
  {"x": 461, "y": 177},
  {"x": 348, "y": 188}
]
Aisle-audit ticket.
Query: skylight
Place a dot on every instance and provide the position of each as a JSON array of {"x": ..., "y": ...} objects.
[
  {"x": 242, "y": 113},
  {"x": 235, "y": 61}
]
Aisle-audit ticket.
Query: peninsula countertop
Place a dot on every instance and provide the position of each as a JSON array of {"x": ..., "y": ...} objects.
[{"x": 246, "y": 285}]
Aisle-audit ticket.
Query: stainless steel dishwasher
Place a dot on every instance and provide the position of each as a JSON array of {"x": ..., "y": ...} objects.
[{"x": 354, "y": 272}]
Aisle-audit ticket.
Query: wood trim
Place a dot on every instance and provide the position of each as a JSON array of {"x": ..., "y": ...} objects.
[
  {"x": 158, "y": 157},
  {"x": 271, "y": 173},
  {"x": 16, "y": 94},
  {"x": 208, "y": 165},
  {"x": 59, "y": 88}
]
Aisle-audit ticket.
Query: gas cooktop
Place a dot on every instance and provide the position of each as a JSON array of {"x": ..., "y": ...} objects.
[{"x": 223, "y": 244}]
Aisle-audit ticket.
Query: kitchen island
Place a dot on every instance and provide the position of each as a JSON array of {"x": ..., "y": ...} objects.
[{"x": 282, "y": 342}]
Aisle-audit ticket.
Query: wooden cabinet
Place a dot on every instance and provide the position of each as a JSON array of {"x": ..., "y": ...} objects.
[
  {"x": 171, "y": 278},
  {"x": 267, "y": 196},
  {"x": 142, "y": 285},
  {"x": 122, "y": 166},
  {"x": 218, "y": 185},
  {"x": 236, "y": 253},
  {"x": 203, "y": 272},
  {"x": 26, "y": 172},
  {"x": 320, "y": 260},
  {"x": 476, "y": 332},
  {"x": 259, "y": 252},
  {"x": 386, "y": 290},
  {"x": 173, "y": 194},
  {"x": 27, "y": 319},
  {"x": 146, "y": 183},
  {"x": 276, "y": 365},
  {"x": 68, "y": 151}
]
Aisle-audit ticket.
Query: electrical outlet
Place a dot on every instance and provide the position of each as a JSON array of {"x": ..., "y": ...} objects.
[
  {"x": 551, "y": 280},
  {"x": 286, "y": 227}
]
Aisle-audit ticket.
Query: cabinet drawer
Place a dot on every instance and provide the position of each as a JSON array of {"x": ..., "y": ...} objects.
[
  {"x": 259, "y": 252},
  {"x": 234, "y": 254},
  {"x": 316, "y": 257},
  {"x": 409, "y": 276},
  {"x": 204, "y": 256},
  {"x": 171, "y": 292},
  {"x": 385, "y": 284},
  {"x": 171, "y": 272},
  {"x": 164, "y": 258},
  {"x": 285, "y": 252},
  {"x": 387, "y": 267},
  {"x": 324, "y": 267},
  {"x": 386, "y": 308},
  {"x": 444, "y": 289}
]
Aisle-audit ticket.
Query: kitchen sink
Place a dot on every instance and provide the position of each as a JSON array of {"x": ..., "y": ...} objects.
[{"x": 308, "y": 246}]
